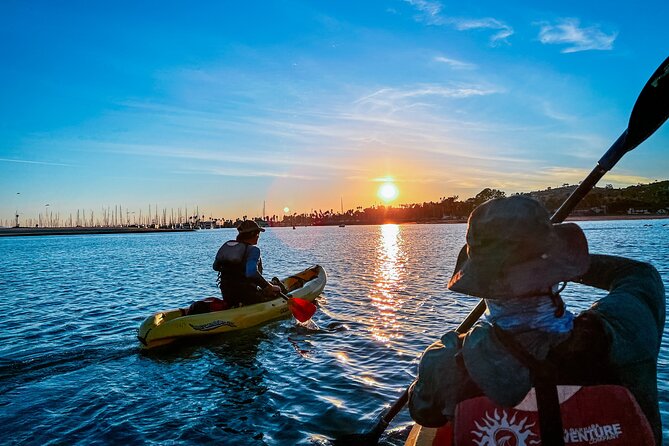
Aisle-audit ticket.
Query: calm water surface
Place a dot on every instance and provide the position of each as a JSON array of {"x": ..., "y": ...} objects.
[{"x": 71, "y": 371}]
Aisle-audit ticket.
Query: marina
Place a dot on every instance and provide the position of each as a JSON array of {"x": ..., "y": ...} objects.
[{"x": 16, "y": 232}]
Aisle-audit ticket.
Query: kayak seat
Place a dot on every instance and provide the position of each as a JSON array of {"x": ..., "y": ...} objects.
[{"x": 295, "y": 282}]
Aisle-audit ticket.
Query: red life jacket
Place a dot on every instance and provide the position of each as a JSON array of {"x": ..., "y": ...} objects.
[{"x": 605, "y": 415}]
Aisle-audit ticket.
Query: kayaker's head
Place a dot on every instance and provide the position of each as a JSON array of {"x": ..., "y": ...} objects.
[
  {"x": 248, "y": 232},
  {"x": 513, "y": 250}
]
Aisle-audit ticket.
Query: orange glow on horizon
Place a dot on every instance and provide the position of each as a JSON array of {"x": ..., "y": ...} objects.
[{"x": 388, "y": 185}]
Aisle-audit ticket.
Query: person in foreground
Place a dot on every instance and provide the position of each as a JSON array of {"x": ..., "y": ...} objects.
[
  {"x": 240, "y": 268},
  {"x": 594, "y": 374}
]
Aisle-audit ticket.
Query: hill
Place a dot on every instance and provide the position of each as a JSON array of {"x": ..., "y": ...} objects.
[{"x": 643, "y": 198}]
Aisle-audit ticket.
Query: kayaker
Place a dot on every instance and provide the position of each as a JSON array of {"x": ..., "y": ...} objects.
[
  {"x": 240, "y": 268},
  {"x": 516, "y": 259}
]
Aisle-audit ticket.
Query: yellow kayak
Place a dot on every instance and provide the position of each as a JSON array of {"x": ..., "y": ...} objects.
[{"x": 167, "y": 326}]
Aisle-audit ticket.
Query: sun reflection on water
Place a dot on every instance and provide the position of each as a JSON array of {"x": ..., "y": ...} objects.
[
  {"x": 342, "y": 357},
  {"x": 389, "y": 273}
]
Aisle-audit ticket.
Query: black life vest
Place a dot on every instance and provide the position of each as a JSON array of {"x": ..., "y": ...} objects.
[{"x": 230, "y": 261}]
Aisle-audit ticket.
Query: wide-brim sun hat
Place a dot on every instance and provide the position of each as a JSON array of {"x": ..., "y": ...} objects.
[
  {"x": 513, "y": 250},
  {"x": 248, "y": 226}
]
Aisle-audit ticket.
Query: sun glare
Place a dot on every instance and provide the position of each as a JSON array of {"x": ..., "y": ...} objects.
[{"x": 388, "y": 192}]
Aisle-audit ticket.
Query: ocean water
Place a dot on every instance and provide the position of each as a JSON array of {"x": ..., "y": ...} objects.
[{"x": 71, "y": 371}]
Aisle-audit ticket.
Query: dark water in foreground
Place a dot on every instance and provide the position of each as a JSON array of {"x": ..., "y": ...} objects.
[{"x": 71, "y": 371}]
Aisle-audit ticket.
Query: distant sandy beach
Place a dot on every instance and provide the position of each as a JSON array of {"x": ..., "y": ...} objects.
[
  {"x": 616, "y": 217},
  {"x": 570, "y": 218}
]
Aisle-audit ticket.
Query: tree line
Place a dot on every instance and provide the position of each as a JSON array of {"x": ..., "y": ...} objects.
[{"x": 650, "y": 198}]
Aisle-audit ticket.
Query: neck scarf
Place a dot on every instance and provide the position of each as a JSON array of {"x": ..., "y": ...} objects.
[{"x": 531, "y": 321}]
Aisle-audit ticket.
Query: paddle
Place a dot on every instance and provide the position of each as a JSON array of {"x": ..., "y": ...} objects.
[
  {"x": 302, "y": 309},
  {"x": 650, "y": 111}
]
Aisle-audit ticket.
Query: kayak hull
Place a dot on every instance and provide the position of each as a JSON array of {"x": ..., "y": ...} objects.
[{"x": 165, "y": 327}]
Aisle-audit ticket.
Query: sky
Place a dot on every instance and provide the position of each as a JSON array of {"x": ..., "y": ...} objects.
[{"x": 229, "y": 106}]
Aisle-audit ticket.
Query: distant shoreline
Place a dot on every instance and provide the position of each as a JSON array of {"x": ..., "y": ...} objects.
[
  {"x": 21, "y": 231},
  {"x": 570, "y": 218},
  {"x": 616, "y": 217},
  {"x": 14, "y": 232}
]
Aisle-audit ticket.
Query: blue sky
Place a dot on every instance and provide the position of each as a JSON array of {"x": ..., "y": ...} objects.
[{"x": 226, "y": 105}]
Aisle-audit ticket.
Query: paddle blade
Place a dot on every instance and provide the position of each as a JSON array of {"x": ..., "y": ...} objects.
[
  {"x": 650, "y": 111},
  {"x": 301, "y": 309},
  {"x": 651, "y": 108}
]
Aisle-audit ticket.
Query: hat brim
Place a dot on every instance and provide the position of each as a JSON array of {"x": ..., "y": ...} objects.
[
  {"x": 248, "y": 231},
  {"x": 566, "y": 259}
]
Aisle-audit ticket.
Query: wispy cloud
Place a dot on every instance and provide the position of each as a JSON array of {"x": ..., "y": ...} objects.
[
  {"x": 44, "y": 163},
  {"x": 569, "y": 32},
  {"x": 563, "y": 175},
  {"x": 552, "y": 112},
  {"x": 395, "y": 99},
  {"x": 430, "y": 12},
  {"x": 503, "y": 30},
  {"x": 250, "y": 172},
  {"x": 211, "y": 160},
  {"x": 453, "y": 63}
]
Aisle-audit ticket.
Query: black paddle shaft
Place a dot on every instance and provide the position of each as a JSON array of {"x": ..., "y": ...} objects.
[{"x": 650, "y": 111}]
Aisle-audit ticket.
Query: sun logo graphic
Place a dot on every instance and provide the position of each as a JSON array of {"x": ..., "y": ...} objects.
[{"x": 500, "y": 430}]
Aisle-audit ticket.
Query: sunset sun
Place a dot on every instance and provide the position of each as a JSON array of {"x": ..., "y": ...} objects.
[{"x": 388, "y": 192}]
